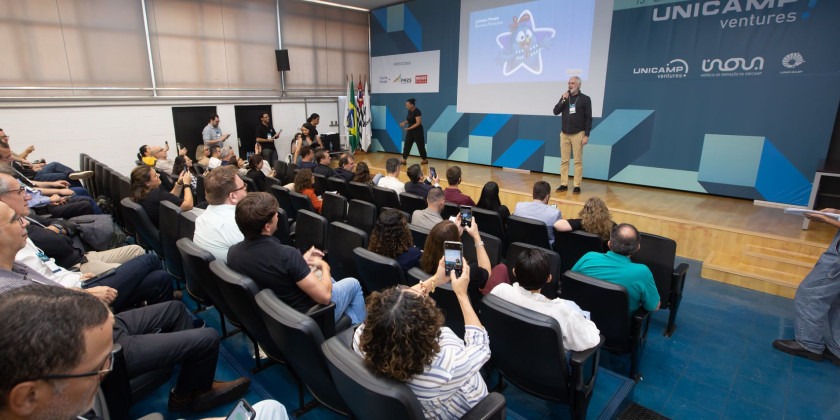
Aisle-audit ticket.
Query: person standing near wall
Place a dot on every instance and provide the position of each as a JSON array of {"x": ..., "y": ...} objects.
[
  {"x": 212, "y": 134},
  {"x": 413, "y": 125},
  {"x": 265, "y": 136},
  {"x": 576, "y": 110}
]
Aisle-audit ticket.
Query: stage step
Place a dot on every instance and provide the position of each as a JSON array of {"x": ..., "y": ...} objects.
[{"x": 758, "y": 270}]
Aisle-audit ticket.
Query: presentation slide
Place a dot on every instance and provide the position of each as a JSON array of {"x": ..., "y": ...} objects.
[{"x": 516, "y": 57}]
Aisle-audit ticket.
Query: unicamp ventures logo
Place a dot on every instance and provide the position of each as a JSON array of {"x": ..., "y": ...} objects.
[
  {"x": 737, "y": 13},
  {"x": 674, "y": 69}
]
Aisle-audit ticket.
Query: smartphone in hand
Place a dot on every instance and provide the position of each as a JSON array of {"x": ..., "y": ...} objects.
[
  {"x": 453, "y": 257},
  {"x": 466, "y": 216}
]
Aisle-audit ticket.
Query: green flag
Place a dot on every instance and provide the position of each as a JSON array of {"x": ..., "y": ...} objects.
[{"x": 352, "y": 118}]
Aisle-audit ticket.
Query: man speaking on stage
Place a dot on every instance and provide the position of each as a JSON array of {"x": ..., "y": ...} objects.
[{"x": 576, "y": 120}]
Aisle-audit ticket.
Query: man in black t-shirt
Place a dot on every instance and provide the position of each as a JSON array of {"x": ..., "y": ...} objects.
[
  {"x": 265, "y": 136},
  {"x": 576, "y": 110},
  {"x": 281, "y": 268}
]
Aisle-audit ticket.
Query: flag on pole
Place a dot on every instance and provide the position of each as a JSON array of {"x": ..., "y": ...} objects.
[
  {"x": 367, "y": 132},
  {"x": 352, "y": 121}
]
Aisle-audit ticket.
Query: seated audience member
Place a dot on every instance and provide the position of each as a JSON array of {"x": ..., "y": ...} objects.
[
  {"x": 145, "y": 190},
  {"x": 391, "y": 179},
  {"x": 453, "y": 194},
  {"x": 305, "y": 184},
  {"x": 403, "y": 338},
  {"x": 47, "y": 172},
  {"x": 430, "y": 216},
  {"x": 146, "y": 155},
  {"x": 256, "y": 163},
  {"x": 322, "y": 164},
  {"x": 179, "y": 342},
  {"x": 538, "y": 209},
  {"x": 391, "y": 238},
  {"x": 297, "y": 142},
  {"x": 184, "y": 163},
  {"x": 227, "y": 156},
  {"x": 54, "y": 205},
  {"x": 482, "y": 274},
  {"x": 161, "y": 162},
  {"x": 417, "y": 183},
  {"x": 594, "y": 217},
  {"x": 202, "y": 155},
  {"x": 307, "y": 157},
  {"x": 531, "y": 272},
  {"x": 363, "y": 175},
  {"x": 489, "y": 200},
  {"x": 215, "y": 157},
  {"x": 215, "y": 228},
  {"x": 346, "y": 167},
  {"x": 281, "y": 268},
  {"x": 615, "y": 267},
  {"x": 54, "y": 239}
]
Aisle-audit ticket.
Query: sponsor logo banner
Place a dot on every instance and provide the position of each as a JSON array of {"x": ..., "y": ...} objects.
[{"x": 406, "y": 73}]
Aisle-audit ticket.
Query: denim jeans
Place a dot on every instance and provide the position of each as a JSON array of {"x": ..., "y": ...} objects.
[
  {"x": 817, "y": 303},
  {"x": 348, "y": 299},
  {"x": 56, "y": 171}
]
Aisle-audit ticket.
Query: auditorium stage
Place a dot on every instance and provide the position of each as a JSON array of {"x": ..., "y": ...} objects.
[{"x": 760, "y": 248}]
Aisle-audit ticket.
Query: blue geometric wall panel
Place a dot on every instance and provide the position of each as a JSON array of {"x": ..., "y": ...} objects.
[
  {"x": 386, "y": 129},
  {"x": 519, "y": 152},
  {"x": 446, "y": 132},
  {"x": 402, "y": 27},
  {"x": 491, "y": 137},
  {"x": 616, "y": 142},
  {"x": 750, "y": 166}
]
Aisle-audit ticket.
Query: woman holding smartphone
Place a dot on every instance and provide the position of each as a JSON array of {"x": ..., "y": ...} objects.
[
  {"x": 404, "y": 338},
  {"x": 445, "y": 231}
]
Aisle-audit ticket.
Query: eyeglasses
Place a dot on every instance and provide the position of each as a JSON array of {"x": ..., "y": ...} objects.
[
  {"x": 240, "y": 188},
  {"x": 19, "y": 190},
  {"x": 106, "y": 369},
  {"x": 15, "y": 218}
]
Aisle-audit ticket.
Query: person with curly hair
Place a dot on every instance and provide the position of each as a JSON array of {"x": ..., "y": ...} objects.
[
  {"x": 594, "y": 218},
  {"x": 403, "y": 338},
  {"x": 305, "y": 184},
  {"x": 391, "y": 238}
]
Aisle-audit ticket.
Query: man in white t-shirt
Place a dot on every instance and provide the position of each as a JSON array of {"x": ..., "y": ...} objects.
[
  {"x": 531, "y": 272},
  {"x": 391, "y": 179}
]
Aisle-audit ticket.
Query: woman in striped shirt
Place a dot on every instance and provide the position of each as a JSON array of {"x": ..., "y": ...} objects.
[{"x": 404, "y": 338}]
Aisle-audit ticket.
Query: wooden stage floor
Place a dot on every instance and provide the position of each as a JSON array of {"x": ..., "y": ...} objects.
[{"x": 727, "y": 230}]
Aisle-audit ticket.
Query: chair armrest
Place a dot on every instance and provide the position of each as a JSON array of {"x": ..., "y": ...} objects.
[
  {"x": 639, "y": 323},
  {"x": 324, "y": 316},
  {"x": 491, "y": 407},
  {"x": 678, "y": 278},
  {"x": 578, "y": 361}
]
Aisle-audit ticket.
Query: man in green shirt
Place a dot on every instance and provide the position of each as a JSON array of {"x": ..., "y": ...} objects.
[{"x": 615, "y": 267}]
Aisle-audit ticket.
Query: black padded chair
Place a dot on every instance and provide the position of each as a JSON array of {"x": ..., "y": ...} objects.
[
  {"x": 250, "y": 184},
  {"x": 376, "y": 398},
  {"x": 377, "y": 272},
  {"x": 362, "y": 214},
  {"x": 491, "y": 223},
  {"x": 334, "y": 207},
  {"x": 608, "y": 306},
  {"x": 285, "y": 172},
  {"x": 659, "y": 254},
  {"x": 418, "y": 235},
  {"x": 124, "y": 192},
  {"x": 201, "y": 286},
  {"x": 284, "y": 230},
  {"x": 311, "y": 230},
  {"x": 186, "y": 225},
  {"x": 344, "y": 238},
  {"x": 169, "y": 233},
  {"x": 385, "y": 197},
  {"x": 320, "y": 184},
  {"x": 360, "y": 191},
  {"x": 114, "y": 183},
  {"x": 145, "y": 231},
  {"x": 450, "y": 210},
  {"x": 300, "y": 202},
  {"x": 338, "y": 185},
  {"x": 198, "y": 194},
  {"x": 550, "y": 290},
  {"x": 199, "y": 168},
  {"x": 299, "y": 337},
  {"x": 529, "y": 231},
  {"x": 271, "y": 181},
  {"x": 240, "y": 294},
  {"x": 410, "y": 202},
  {"x": 98, "y": 178},
  {"x": 284, "y": 200},
  {"x": 166, "y": 181},
  {"x": 544, "y": 373},
  {"x": 492, "y": 245},
  {"x": 575, "y": 244},
  {"x": 121, "y": 391}
]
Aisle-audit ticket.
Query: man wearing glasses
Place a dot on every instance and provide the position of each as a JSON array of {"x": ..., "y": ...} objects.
[{"x": 215, "y": 229}]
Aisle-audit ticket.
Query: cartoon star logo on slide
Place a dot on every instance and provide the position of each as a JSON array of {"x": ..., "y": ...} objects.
[{"x": 522, "y": 46}]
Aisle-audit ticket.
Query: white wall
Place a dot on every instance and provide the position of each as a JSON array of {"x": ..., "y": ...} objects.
[{"x": 112, "y": 134}]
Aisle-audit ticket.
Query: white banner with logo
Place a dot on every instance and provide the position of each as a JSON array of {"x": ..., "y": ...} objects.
[{"x": 405, "y": 73}]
